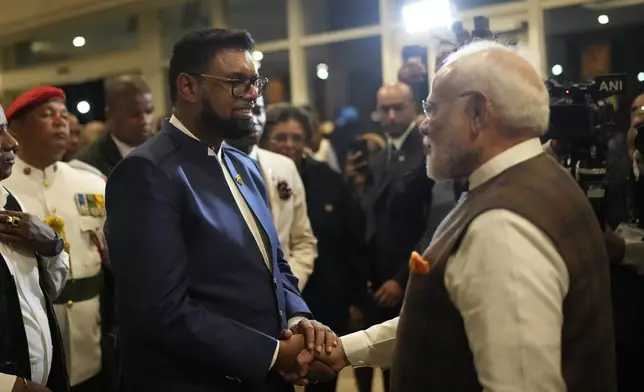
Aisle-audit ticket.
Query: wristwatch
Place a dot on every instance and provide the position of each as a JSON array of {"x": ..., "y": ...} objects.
[{"x": 58, "y": 247}]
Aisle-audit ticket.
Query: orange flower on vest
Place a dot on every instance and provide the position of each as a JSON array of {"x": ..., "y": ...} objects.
[{"x": 418, "y": 265}]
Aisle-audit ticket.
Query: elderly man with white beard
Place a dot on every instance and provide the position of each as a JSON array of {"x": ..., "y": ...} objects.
[{"x": 513, "y": 292}]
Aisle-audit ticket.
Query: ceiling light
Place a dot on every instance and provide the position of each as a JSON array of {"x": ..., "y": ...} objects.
[
  {"x": 427, "y": 15},
  {"x": 557, "y": 70},
  {"x": 603, "y": 19},
  {"x": 322, "y": 71},
  {"x": 323, "y": 74},
  {"x": 83, "y": 107},
  {"x": 78, "y": 42},
  {"x": 640, "y": 77}
]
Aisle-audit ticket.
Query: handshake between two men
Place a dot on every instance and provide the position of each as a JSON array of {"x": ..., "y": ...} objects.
[{"x": 309, "y": 353}]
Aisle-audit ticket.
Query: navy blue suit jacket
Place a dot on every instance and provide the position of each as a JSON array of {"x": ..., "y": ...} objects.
[{"x": 199, "y": 308}]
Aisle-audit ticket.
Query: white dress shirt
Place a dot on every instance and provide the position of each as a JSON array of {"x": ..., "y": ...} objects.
[
  {"x": 246, "y": 212},
  {"x": 508, "y": 282},
  {"x": 24, "y": 269},
  {"x": 123, "y": 148},
  {"x": 54, "y": 191},
  {"x": 326, "y": 154},
  {"x": 400, "y": 140}
]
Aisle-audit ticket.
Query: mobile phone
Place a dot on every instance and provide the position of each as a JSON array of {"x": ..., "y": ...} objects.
[{"x": 362, "y": 146}]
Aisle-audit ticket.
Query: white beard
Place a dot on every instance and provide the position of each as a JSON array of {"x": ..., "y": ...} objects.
[{"x": 437, "y": 171}]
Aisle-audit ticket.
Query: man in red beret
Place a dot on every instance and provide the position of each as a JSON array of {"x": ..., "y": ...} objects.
[{"x": 57, "y": 192}]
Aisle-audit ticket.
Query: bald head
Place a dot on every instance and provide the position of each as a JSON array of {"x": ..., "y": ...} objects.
[
  {"x": 90, "y": 132},
  {"x": 517, "y": 95},
  {"x": 400, "y": 90},
  {"x": 396, "y": 108}
]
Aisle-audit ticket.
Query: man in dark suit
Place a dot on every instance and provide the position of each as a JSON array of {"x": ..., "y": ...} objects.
[
  {"x": 129, "y": 115},
  {"x": 203, "y": 291},
  {"x": 397, "y": 208}
]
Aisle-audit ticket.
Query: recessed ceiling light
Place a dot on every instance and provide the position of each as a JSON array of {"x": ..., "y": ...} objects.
[
  {"x": 83, "y": 107},
  {"x": 603, "y": 19},
  {"x": 557, "y": 70},
  {"x": 78, "y": 42}
]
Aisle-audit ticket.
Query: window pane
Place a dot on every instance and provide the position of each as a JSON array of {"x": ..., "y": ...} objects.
[
  {"x": 329, "y": 15},
  {"x": 275, "y": 67},
  {"x": 265, "y": 19},
  {"x": 180, "y": 19},
  {"x": 73, "y": 40},
  {"x": 470, "y": 4},
  {"x": 459, "y": 5},
  {"x": 354, "y": 75}
]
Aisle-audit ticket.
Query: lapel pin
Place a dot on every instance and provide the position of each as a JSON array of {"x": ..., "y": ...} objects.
[
  {"x": 401, "y": 158},
  {"x": 328, "y": 207},
  {"x": 239, "y": 180}
]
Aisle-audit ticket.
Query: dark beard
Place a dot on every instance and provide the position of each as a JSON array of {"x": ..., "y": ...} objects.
[{"x": 226, "y": 128}]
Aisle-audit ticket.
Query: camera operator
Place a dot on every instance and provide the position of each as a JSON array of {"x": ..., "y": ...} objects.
[
  {"x": 626, "y": 250},
  {"x": 635, "y": 142}
]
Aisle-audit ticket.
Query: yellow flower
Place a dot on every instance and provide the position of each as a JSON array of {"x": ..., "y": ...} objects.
[
  {"x": 55, "y": 222},
  {"x": 58, "y": 225}
]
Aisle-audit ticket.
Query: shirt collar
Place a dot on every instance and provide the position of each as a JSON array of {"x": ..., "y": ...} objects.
[
  {"x": 3, "y": 197},
  {"x": 123, "y": 148},
  {"x": 179, "y": 125},
  {"x": 254, "y": 153},
  {"x": 512, "y": 156},
  {"x": 400, "y": 140},
  {"x": 46, "y": 176}
]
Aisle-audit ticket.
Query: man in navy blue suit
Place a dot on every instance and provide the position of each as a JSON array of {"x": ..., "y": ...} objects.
[{"x": 204, "y": 296}]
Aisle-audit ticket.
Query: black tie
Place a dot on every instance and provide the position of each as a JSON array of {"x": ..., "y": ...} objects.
[{"x": 393, "y": 153}]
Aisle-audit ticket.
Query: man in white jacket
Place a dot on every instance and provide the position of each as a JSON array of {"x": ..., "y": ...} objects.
[{"x": 287, "y": 200}]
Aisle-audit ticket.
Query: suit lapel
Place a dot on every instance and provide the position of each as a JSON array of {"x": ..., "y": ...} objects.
[
  {"x": 110, "y": 151},
  {"x": 261, "y": 218},
  {"x": 267, "y": 175},
  {"x": 387, "y": 174},
  {"x": 400, "y": 163}
]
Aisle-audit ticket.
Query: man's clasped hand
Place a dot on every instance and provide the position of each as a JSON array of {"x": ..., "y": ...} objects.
[{"x": 309, "y": 353}]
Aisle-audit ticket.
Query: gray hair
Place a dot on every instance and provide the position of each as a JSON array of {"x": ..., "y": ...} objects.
[{"x": 519, "y": 96}]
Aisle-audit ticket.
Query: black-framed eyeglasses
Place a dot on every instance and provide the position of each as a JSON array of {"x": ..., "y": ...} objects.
[
  {"x": 240, "y": 86},
  {"x": 430, "y": 107}
]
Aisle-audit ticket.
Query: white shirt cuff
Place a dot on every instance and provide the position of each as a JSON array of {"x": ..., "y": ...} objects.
[
  {"x": 7, "y": 381},
  {"x": 275, "y": 354},
  {"x": 356, "y": 347},
  {"x": 372, "y": 347},
  {"x": 291, "y": 322}
]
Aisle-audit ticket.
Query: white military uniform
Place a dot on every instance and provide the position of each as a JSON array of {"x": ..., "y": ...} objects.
[{"x": 76, "y": 196}]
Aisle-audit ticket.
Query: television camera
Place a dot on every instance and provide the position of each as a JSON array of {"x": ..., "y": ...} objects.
[{"x": 582, "y": 121}]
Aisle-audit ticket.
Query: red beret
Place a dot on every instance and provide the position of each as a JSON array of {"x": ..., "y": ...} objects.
[{"x": 32, "y": 98}]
